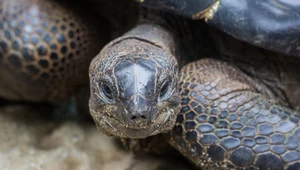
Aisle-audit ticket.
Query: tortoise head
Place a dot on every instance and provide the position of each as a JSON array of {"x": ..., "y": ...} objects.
[{"x": 134, "y": 90}]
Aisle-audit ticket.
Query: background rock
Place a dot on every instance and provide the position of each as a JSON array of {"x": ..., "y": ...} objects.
[{"x": 28, "y": 141}]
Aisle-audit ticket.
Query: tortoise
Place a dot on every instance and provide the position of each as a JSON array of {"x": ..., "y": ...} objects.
[
  {"x": 236, "y": 111},
  {"x": 46, "y": 48}
]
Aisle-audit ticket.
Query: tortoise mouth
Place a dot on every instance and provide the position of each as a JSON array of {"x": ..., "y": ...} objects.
[{"x": 162, "y": 124}]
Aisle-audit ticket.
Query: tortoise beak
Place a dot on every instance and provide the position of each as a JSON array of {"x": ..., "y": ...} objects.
[
  {"x": 140, "y": 128},
  {"x": 137, "y": 113}
]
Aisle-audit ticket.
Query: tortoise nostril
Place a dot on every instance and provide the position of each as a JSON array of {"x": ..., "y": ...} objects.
[{"x": 135, "y": 117}]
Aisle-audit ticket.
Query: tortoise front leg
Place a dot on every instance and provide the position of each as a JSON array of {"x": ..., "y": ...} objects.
[{"x": 225, "y": 123}]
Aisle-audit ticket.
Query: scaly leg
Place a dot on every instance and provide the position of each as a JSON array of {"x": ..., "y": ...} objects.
[{"x": 225, "y": 123}]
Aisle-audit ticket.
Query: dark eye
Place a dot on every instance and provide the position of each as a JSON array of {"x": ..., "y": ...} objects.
[
  {"x": 107, "y": 91},
  {"x": 164, "y": 90}
]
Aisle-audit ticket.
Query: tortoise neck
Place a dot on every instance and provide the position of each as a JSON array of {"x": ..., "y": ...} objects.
[
  {"x": 171, "y": 30},
  {"x": 155, "y": 34}
]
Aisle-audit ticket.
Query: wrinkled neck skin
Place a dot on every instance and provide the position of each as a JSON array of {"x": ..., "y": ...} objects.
[{"x": 136, "y": 67}]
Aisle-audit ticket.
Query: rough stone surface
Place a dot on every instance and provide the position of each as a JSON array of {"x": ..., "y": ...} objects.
[{"x": 28, "y": 142}]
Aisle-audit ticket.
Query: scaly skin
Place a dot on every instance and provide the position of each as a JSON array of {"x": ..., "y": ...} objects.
[
  {"x": 273, "y": 74},
  {"x": 228, "y": 119},
  {"x": 126, "y": 81},
  {"x": 45, "y": 49},
  {"x": 45, "y": 52},
  {"x": 224, "y": 123}
]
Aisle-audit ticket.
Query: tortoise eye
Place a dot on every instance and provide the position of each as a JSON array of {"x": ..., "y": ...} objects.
[
  {"x": 164, "y": 90},
  {"x": 106, "y": 90}
]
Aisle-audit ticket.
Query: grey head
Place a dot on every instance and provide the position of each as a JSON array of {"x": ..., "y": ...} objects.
[{"x": 134, "y": 90}]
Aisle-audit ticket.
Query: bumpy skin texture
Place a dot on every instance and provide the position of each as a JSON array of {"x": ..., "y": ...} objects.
[
  {"x": 45, "y": 49},
  {"x": 231, "y": 117},
  {"x": 133, "y": 84},
  {"x": 225, "y": 123},
  {"x": 274, "y": 75}
]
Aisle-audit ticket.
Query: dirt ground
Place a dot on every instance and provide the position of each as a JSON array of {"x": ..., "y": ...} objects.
[{"x": 29, "y": 142}]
